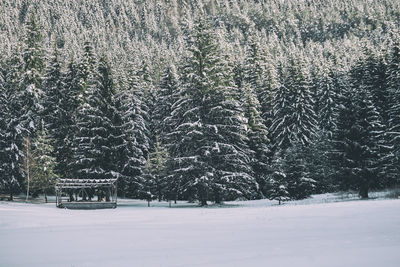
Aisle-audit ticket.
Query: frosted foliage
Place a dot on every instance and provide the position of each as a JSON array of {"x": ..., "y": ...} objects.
[{"x": 209, "y": 127}]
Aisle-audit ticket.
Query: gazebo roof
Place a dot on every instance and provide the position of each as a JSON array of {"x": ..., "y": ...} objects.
[{"x": 84, "y": 183}]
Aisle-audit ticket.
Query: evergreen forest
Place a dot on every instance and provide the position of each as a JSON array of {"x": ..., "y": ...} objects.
[{"x": 208, "y": 101}]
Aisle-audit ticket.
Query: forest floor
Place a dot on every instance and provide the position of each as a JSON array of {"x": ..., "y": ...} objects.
[{"x": 325, "y": 230}]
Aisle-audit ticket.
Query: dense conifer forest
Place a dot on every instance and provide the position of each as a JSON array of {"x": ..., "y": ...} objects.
[{"x": 207, "y": 100}]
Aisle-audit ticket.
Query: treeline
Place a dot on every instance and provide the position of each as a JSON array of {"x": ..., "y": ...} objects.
[{"x": 275, "y": 111}]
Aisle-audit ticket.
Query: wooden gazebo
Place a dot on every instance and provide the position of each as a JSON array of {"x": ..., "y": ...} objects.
[{"x": 79, "y": 193}]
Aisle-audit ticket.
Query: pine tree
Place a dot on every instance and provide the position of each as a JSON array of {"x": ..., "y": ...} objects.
[
  {"x": 277, "y": 183},
  {"x": 257, "y": 135},
  {"x": 135, "y": 148},
  {"x": 328, "y": 85},
  {"x": 156, "y": 165},
  {"x": 148, "y": 185},
  {"x": 393, "y": 83},
  {"x": 359, "y": 129},
  {"x": 12, "y": 141},
  {"x": 269, "y": 86},
  {"x": 278, "y": 190},
  {"x": 85, "y": 70},
  {"x": 43, "y": 164},
  {"x": 52, "y": 89},
  {"x": 320, "y": 163},
  {"x": 208, "y": 148},
  {"x": 254, "y": 64},
  {"x": 327, "y": 96},
  {"x": 294, "y": 119},
  {"x": 30, "y": 88},
  {"x": 69, "y": 102},
  {"x": 148, "y": 102},
  {"x": 32, "y": 75},
  {"x": 375, "y": 81},
  {"x": 166, "y": 97},
  {"x": 93, "y": 144},
  {"x": 280, "y": 131},
  {"x": 53, "y": 113},
  {"x": 299, "y": 182},
  {"x": 3, "y": 116}
]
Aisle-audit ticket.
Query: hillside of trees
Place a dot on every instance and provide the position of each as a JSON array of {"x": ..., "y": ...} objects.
[{"x": 207, "y": 100}]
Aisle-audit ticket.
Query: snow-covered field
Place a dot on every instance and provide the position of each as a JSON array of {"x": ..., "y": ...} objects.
[{"x": 353, "y": 233}]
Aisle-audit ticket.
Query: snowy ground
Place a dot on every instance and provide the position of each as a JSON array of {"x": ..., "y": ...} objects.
[{"x": 254, "y": 233}]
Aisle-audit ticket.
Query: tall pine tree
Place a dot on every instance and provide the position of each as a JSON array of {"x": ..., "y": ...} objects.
[
  {"x": 257, "y": 136},
  {"x": 393, "y": 82},
  {"x": 43, "y": 164},
  {"x": 12, "y": 141},
  {"x": 294, "y": 118},
  {"x": 135, "y": 148},
  {"x": 208, "y": 149},
  {"x": 93, "y": 144},
  {"x": 357, "y": 139}
]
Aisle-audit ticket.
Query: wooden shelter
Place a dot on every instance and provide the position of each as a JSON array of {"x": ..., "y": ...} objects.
[{"x": 80, "y": 193}]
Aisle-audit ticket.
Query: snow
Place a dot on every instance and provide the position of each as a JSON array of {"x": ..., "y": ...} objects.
[{"x": 254, "y": 233}]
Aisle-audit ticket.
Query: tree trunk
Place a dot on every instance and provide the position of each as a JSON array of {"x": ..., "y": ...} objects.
[
  {"x": 27, "y": 165},
  {"x": 45, "y": 197},
  {"x": 11, "y": 196},
  {"x": 217, "y": 197},
  {"x": 159, "y": 191},
  {"x": 202, "y": 194},
  {"x": 363, "y": 193}
]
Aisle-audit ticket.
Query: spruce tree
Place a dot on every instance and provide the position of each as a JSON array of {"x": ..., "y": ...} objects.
[
  {"x": 208, "y": 148},
  {"x": 12, "y": 141},
  {"x": 294, "y": 118},
  {"x": 93, "y": 145},
  {"x": 375, "y": 82},
  {"x": 298, "y": 178},
  {"x": 43, "y": 164},
  {"x": 257, "y": 136},
  {"x": 32, "y": 76},
  {"x": 280, "y": 131},
  {"x": 30, "y": 88},
  {"x": 166, "y": 97},
  {"x": 357, "y": 139},
  {"x": 269, "y": 87},
  {"x": 327, "y": 97},
  {"x": 69, "y": 102},
  {"x": 85, "y": 70},
  {"x": 254, "y": 64},
  {"x": 135, "y": 148},
  {"x": 328, "y": 85},
  {"x": 393, "y": 83},
  {"x": 164, "y": 123},
  {"x": 277, "y": 187},
  {"x": 52, "y": 89},
  {"x": 3, "y": 133},
  {"x": 156, "y": 165},
  {"x": 53, "y": 114}
]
